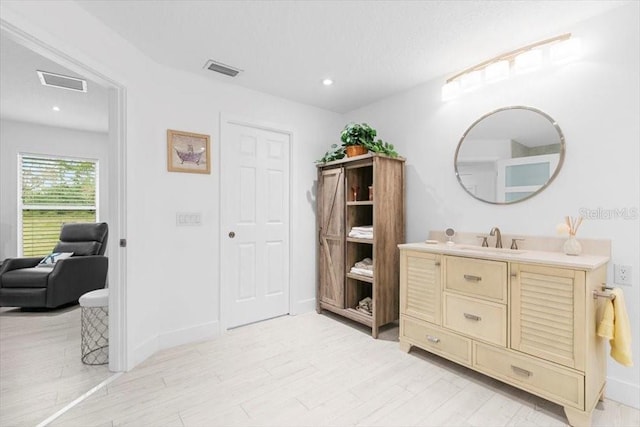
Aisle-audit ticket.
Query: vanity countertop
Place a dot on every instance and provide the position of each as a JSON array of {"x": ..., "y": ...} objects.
[{"x": 583, "y": 262}]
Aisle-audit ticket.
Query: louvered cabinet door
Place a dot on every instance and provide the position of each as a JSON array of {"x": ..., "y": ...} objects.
[
  {"x": 420, "y": 292},
  {"x": 547, "y": 313}
]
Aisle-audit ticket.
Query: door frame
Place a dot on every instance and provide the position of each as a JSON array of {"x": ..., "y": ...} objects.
[
  {"x": 225, "y": 121},
  {"x": 117, "y": 276}
]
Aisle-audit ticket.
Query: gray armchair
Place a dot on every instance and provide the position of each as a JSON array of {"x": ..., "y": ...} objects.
[{"x": 23, "y": 284}]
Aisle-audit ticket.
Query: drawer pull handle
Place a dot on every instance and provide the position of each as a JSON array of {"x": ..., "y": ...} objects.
[
  {"x": 521, "y": 371},
  {"x": 437, "y": 263},
  {"x": 472, "y": 278},
  {"x": 433, "y": 339},
  {"x": 472, "y": 317}
]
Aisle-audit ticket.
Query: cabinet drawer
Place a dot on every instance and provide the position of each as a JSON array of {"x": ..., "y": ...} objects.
[
  {"x": 484, "y": 320},
  {"x": 544, "y": 379},
  {"x": 434, "y": 339},
  {"x": 482, "y": 278}
]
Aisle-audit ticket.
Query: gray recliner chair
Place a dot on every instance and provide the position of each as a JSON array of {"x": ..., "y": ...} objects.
[{"x": 23, "y": 284}]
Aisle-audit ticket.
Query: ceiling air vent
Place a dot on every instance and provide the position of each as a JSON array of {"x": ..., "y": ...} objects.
[
  {"x": 221, "y": 68},
  {"x": 63, "y": 82}
]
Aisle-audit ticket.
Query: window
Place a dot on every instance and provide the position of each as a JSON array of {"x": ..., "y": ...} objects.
[{"x": 53, "y": 191}]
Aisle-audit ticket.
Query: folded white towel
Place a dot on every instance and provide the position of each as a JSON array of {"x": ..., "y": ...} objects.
[
  {"x": 360, "y": 235},
  {"x": 361, "y": 271},
  {"x": 365, "y": 306},
  {"x": 366, "y": 264},
  {"x": 363, "y": 228}
]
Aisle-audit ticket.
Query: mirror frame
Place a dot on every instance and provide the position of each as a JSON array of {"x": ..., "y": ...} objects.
[{"x": 513, "y": 107}]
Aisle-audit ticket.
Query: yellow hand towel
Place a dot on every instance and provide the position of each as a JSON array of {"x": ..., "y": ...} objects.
[{"x": 615, "y": 326}]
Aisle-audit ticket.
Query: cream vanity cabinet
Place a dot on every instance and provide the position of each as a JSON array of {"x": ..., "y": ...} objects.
[{"x": 516, "y": 319}]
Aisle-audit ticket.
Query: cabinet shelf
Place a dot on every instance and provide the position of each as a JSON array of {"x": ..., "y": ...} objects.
[
  {"x": 358, "y": 316},
  {"x": 361, "y": 203},
  {"x": 360, "y": 277},
  {"x": 358, "y": 240}
]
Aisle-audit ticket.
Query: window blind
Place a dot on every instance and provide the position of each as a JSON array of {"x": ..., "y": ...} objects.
[{"x": 54, "y": 191}]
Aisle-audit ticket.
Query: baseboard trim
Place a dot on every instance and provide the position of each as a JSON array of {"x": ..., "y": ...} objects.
[
  {"x": 204, "y": 331},
  {"x": 143, "y": 352},
  {"x": 623, "y": 392},
  {"x": 303, "y": 306}
]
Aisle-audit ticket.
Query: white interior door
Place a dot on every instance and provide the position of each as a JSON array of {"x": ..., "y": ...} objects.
[{"x": 255, "y": 223}]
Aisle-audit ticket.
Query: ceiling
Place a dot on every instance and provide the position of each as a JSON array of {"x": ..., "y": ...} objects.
[
  {"x": 371, "y": 49},
  {"x": 24, "y": 98}
]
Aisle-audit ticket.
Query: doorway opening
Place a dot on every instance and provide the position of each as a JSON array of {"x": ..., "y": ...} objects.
[{"x": 115, "y": 171}]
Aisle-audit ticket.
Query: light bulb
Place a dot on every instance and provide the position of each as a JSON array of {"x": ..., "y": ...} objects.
[
  {"x": 450, "y": 90},
  {"x": 471, "y": 81},
  {"x": 528, "y": 61},
  {"x": 566, "y": 50},
  {"x": 496, "y": 71}
]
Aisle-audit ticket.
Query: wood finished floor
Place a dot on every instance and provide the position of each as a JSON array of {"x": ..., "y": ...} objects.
[
  {"x": 308, "y": 370},
  {"x": 40, "y": 366}
]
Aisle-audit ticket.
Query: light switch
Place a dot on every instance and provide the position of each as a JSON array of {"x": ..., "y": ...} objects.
[{"x": 188, "y": 219}]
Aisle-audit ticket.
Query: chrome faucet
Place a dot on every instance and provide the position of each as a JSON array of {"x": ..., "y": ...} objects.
[{"x": 495, "y": 231}]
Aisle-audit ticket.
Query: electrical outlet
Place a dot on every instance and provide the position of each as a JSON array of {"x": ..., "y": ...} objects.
[{"x": 622, "y": 274}]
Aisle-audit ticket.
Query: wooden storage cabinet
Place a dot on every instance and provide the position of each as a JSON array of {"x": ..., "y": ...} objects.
[
  {"x": 531, "y": 326},
  {"x": 343, "y": 202}
]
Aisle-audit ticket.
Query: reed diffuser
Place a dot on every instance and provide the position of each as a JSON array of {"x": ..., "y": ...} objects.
[{"x": 570, "y": 227}]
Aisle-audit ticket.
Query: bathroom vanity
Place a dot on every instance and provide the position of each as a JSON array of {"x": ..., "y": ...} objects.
[{"x": 525, "y": 317}]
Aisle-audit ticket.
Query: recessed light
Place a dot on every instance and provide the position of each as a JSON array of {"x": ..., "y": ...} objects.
[
  {"x": 327, "y": 82},
  {"x": 56, "y": 108}
]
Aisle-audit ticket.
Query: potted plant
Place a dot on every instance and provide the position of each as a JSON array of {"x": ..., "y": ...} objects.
[
  {"x": 335, "y": 153},
  {"x": 355, "y": 137},
  {"x": 358, "y": 138}
]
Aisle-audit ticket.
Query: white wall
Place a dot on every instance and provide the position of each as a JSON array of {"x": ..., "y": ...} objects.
[
  {"x": 166, "y": 303},
  {"x": 29, "y": 138},
  {"x": 595, "y": 102}
]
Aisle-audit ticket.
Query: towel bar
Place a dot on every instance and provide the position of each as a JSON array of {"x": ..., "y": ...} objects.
[{"x": 603, "y": 293}]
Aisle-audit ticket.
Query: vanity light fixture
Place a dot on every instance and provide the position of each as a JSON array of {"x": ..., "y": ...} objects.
[
  {"x": 561, "y": 48},
  {"x": 327, "y": 82},
  {"x": 497, "y": 71},
  {"x": 55, "y": 108},
  {"x": 565, "y": 51},
  {"x": 450, "y": 90},
  {"x": 528, "y": 61},
  {"x": 471, "y": 81}
]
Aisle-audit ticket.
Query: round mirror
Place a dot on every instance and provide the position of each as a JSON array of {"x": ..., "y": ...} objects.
[{"x": 509, "y": 155}]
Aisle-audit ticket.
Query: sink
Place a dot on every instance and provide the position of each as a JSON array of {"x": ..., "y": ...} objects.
[{"x": 483, "y": 249}]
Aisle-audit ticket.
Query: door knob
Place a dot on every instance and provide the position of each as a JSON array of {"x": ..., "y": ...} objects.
[{"x": 232, "y": 234}]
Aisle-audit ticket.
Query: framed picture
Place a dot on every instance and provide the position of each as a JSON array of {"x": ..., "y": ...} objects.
[{"x": 188, "y": 152}]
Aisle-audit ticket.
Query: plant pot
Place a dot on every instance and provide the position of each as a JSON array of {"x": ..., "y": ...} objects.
[{"x": 355, "y": 150}]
